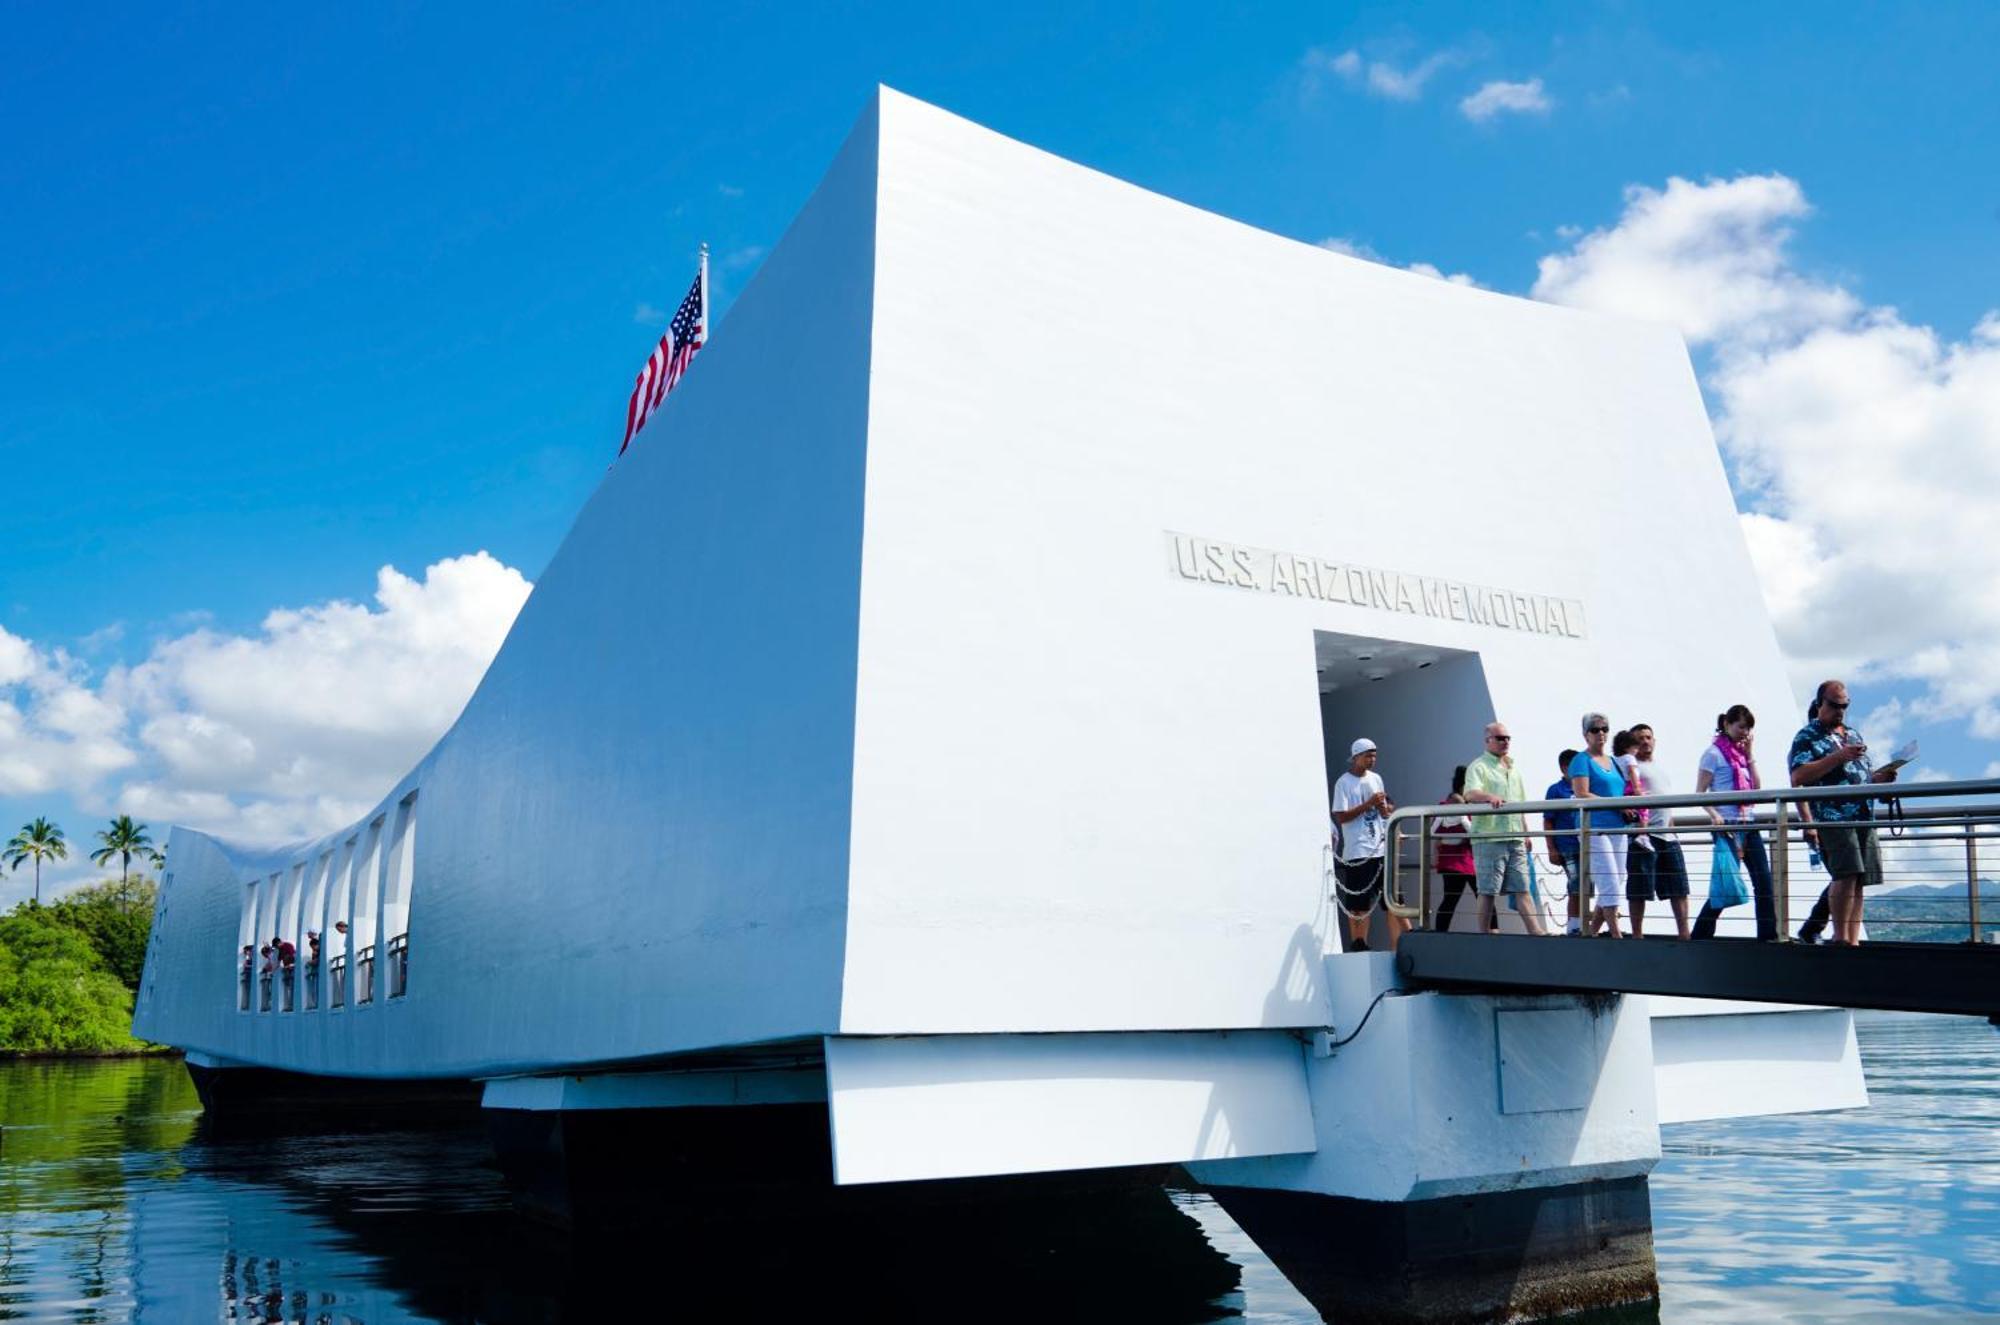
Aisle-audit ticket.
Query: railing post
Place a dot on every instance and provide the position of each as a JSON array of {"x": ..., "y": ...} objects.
[
  {"x": 1583, "y": 897},
  {"x": 1423, "y": 873},
  {"x": 1972, "y": 878},
  {"x": 1781, "y": 872}
]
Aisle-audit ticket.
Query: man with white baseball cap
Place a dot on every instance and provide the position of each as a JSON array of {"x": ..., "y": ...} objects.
[{"x": 1361, "y": 810}]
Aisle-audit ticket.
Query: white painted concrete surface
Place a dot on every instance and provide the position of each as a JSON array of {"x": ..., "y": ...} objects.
[
  {"x": 1749, "y": 1064},
  {"x": 1417, "y": 1105},
  {"x": 966, "y": 1105},
  {"x": 869, "y": 695}
]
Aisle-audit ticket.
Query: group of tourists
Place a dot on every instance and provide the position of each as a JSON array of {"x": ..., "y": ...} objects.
[
  {"x": 1634, "y": 858},
  {"x": 280, "y": 954}
]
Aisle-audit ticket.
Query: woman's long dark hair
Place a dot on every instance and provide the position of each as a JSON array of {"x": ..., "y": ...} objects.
[
  {"x": 1735, "y": 713},
  {"x": 1458, "y": 780}
]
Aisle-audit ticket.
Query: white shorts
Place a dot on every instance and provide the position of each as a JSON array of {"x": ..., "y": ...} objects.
[{"x": 1607, "y": 870}]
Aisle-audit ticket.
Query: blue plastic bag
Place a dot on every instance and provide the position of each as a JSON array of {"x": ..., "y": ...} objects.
[{"x": 1725, "y": 877}]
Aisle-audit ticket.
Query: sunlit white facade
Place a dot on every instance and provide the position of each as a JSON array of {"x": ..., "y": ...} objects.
[{"x": 957, "y": 658}]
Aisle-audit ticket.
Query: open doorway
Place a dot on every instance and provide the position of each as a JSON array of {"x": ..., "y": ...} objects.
[{"x": 1425, "y": 708}]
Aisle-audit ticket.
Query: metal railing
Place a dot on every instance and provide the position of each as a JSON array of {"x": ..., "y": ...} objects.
[
  {"x": 364, "y": 975},
  {"x": 287, "y": 987},
  {"x": 243, "y": 980},
  {"x": 264, "y": 997},
  {"x": 1936, "y": 842},
  {"x": 312, "y": 986},
  {"x": 336, "y": 982},
  {"x": 399, "y": 965}
]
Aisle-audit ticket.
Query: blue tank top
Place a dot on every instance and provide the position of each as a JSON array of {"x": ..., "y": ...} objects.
[{"x": 1603, "y": 782}]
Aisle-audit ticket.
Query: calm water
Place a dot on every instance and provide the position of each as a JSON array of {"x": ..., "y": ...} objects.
[{"x": 113, "y": 1206}]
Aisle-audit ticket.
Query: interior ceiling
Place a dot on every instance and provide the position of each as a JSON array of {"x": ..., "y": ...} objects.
[{"x": 1350, "y": 660}]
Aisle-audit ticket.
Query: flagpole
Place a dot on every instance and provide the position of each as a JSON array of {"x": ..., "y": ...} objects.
[{"x": 704, "y": 294}]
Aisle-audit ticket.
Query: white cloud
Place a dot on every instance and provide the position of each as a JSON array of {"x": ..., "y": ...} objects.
[
  {"x": 1355, "y": 248},
  {"x": 1865, "y": 444},
  {"x": 1499, "y": 98},
  {"x": 291, "y": 729},
  {"x": 1709, "y": 258},
  {"x": 1352, "y": 248},
  {"x": 648, "y": 316},
  {"x": 56, "y": 734},
  {"x": 1379, "y": 77},
  {"x": 1437, "y": 274},
  {"x": 17, "y": 658}
]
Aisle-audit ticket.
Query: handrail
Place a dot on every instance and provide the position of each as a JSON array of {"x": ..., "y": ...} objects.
[
  {"x": 1972, "y": 818},
  {"x": 1692, "y": 799}
]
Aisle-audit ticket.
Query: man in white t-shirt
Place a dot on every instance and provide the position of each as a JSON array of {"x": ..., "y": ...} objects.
[
  {"x": 1656, "y": 868},
  {"x": 1361, "y": 810}
]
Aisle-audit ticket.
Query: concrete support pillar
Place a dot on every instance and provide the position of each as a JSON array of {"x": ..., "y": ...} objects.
[{"x": 1479, "y": 1157}]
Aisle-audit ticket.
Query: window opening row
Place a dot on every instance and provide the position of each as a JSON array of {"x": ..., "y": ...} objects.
[{"x": 309, "y": 934}]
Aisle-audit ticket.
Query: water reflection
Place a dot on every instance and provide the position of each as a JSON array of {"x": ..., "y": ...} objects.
[
  {"x": 116, "y": 1205},
  {"x": 119, "y": 1206},
  {"x": 1888, "y": 1213}
]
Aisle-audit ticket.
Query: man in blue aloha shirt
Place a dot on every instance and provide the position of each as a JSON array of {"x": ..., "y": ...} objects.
[{"x": 1829, "y": 753}]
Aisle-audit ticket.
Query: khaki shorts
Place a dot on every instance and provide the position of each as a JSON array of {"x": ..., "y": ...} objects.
[{"x": 1850, "y": 849}]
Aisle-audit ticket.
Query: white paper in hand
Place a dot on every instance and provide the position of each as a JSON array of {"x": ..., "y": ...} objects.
[{"x": 1904, "y": 754}]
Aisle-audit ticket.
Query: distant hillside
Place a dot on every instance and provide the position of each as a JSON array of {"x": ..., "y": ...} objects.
[{"x": 1931, "y": 913}]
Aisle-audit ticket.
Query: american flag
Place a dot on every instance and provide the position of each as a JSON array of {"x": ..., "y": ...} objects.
[{"x": 667, "y": 362}]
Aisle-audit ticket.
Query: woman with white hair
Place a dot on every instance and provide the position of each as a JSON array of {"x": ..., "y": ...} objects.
[{"x": 1594, "y": 775}]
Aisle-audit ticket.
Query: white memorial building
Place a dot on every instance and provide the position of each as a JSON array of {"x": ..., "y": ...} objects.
[{"x": 929, "y": 723}]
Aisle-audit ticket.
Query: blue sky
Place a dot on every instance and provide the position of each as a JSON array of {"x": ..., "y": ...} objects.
[{"x": 289, "y": 296}]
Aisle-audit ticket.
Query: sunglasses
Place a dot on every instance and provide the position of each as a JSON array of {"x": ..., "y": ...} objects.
[
  {"x": 1499, "y": 738},
  {"x": 1594, "y": 731},
  {"x": 1842, "y": 705}
]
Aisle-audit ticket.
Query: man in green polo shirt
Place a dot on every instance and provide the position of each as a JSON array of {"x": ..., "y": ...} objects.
[{"x": 1499, "y": 853}]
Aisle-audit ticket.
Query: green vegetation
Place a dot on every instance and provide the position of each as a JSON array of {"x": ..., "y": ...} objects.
[
  {"x": 68, "y": 971},
  {"x": 1931, "y": 913},
  {"x": 37, "y": 841},
  {"x": 125, "y": 839}
]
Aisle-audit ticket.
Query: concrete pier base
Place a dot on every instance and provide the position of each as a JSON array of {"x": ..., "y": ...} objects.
[
  {"x": 578, "y": 1168},
  {"x": 1479, "y": 1158},
  {"x": 242, "y": 1099},
  {"x": 1531, "y": 1254}
]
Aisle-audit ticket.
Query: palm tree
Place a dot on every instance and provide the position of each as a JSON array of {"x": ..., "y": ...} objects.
[
  {"x": 124, "y": 839},
  {"x": 37, "y": 841}
]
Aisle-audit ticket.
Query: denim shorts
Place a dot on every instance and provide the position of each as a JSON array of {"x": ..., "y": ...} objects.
[
  {"x": 1660, "y": 873},
  {"x": 1500, "y": 867}
]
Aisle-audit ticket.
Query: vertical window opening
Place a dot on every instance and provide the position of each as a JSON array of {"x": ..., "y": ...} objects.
[
  {"x": 339, "y": 924},
  {"x": 246, "y": 947},
  {"x": 286, "y": 937},
  {"x": 367, "y": 901},
  {"x": 313, "y": 942},
  {"x": 396, "y": 900},
  {"x": 267, "y": 952}
]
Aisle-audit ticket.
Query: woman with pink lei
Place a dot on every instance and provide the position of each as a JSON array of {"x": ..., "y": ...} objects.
[{"x": 1729, "y": 764}]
